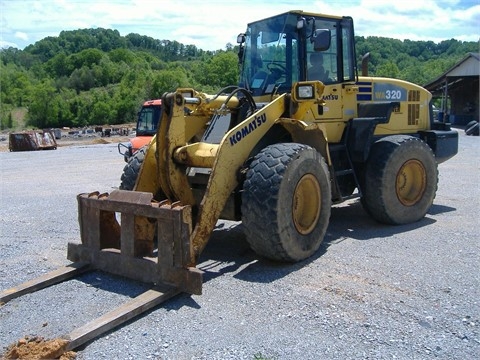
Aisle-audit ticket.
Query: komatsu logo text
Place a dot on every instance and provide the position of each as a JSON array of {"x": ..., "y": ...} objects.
[
  {"x": 247, "y": 129},
  {"x": 330, "y": 97}
]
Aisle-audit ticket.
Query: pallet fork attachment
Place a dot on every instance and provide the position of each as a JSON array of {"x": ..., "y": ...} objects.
[{"x": 122, "y": 250}]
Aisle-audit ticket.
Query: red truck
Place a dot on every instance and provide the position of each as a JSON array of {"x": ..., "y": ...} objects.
[{"x": 147, "y": 123}]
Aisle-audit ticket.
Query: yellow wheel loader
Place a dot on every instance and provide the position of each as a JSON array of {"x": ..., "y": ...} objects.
[
  {"x": 274, "y": 151},
  {"x": 277, "y": 150}
]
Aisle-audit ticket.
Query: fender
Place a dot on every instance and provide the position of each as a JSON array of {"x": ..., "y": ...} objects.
[{"x": 312, "y": 134}]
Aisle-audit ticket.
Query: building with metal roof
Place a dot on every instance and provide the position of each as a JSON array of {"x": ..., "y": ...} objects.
[{"x": 459, "y": 90}]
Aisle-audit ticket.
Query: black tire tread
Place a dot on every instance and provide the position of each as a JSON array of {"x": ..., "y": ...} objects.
[
  {"x": 132, "y": 169},
  {"x": 472, "y": 129},
  {"x": 374, "y": 197},
  {"x": 260, "y": 200}
]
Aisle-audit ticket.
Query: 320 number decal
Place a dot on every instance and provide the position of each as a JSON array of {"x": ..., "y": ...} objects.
[
  {"x": 389, "y": 92},
  {"x": 393, "y": 94}
]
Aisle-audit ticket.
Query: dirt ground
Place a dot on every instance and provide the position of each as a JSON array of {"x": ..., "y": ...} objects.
[
  {"x": 92, "y": 139},
  {"x": 38, "y": 348},
  {"x": 372, "y": 291}
]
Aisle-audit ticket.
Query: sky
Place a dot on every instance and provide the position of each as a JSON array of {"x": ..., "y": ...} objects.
[{"x": 212, "y": 24}]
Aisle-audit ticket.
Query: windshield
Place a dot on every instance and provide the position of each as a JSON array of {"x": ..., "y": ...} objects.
[
  {"x": 268, "y": 60},
  {"x": 277, "y": 53},
  {"x": 148, "y": 120}
]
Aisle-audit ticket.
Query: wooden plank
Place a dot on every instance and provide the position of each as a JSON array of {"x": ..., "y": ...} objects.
[
  {"x": 192, "y": 281},
  {"x": 166, "y": 238},
  {"x": 127, "y": 237},
  {"x": 132, "y": 197},
  {"x": 51, "y": 278},
  {"x": 137, "y": 209},
  {"x": 112, "y": 261},
  {"x": 122, "y": 314},
  {"x": 89, "y": 219}
]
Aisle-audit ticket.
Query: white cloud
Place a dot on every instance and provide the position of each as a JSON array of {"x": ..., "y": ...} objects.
[
  {"x": 7, "y": 44},
  {"x": 21, "y": 35},
  {"x": 211, "y": 24}
]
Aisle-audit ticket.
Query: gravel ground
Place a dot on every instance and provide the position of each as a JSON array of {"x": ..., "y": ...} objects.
[{"x": 371, "y": 292}]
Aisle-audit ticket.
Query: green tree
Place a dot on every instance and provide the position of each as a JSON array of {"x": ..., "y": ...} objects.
[
  {"x": 82, "y": 79},
  {"x": 43, "y": 107},
  {"x": 388, "y": 69},
  {"x": 219, "y": 71},
  {"x": 86, "y": 58},
  {"x": 88, "y": 76},
  {"x": 167, "y": 80},
  {"x": 6, "y": 122},
  {"x": 121, "y": 55},
  {"x": 60, "y": 65},
  {"x": 102, "y": 113}
]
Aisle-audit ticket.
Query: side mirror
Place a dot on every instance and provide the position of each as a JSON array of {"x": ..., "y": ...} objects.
[
  {"x": 241, "y": 49},
  {"x": 321, "y": 39},
  {"x": 240, "y": 38}
]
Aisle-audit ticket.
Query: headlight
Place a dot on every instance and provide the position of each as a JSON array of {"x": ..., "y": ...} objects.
[{"x": 305, "y": 92}]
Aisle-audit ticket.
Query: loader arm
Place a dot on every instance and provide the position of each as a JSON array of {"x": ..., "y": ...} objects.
[
  {"x": 182, "y": 118},
  {"x": 232, "y": 153},
  {"x": 171, "y": 134}
]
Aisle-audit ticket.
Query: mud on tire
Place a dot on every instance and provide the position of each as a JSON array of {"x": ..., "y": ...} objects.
[
  {"x": 286, "y": 202},
  {"x": 400, "y": 181}
]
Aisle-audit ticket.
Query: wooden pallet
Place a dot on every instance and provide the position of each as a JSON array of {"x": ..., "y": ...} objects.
[{"x": 123, "y": 248}]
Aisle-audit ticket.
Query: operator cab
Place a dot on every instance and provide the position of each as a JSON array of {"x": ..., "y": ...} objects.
[
  {"x": 296, "y": 46},
  {"x": 148, "y": 118}
]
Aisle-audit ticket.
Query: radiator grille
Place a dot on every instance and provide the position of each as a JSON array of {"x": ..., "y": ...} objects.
[
  {"x": 413, "y": 114},
  {"x": 413, "y": 109},
  {"x": 414, "y": 95}
]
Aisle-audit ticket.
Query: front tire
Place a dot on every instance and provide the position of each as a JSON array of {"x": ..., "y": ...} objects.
[
  {"x": 132, "y": 169},
  {"x": 400, "y": 180},
  {"x": 286, "y": 202}
]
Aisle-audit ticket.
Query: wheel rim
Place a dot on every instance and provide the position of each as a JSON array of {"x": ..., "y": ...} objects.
[
  {"x": 411, "y": 182},
  {"x": 306, "y": 204}
]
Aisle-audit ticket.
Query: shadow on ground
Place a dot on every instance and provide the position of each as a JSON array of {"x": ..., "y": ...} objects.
[
  {"x": 229, "y": 253},
  {"x": 228, "y": 245}
]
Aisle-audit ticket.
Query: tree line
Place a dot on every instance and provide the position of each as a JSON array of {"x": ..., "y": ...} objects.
[{"x": 97, "y": 77}]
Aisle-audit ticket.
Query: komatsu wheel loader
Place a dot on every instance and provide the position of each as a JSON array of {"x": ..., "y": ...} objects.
[{"x": 275, "y": 151}]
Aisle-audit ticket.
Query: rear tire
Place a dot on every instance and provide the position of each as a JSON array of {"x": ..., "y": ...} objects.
[
  {"x": 286, "y": 202},
  {"x": 469, "y": 124},
  {"x": 473, "y": 129},
  {"x": 132, "y": 169},
  {"x": 400, "y": 180}
]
